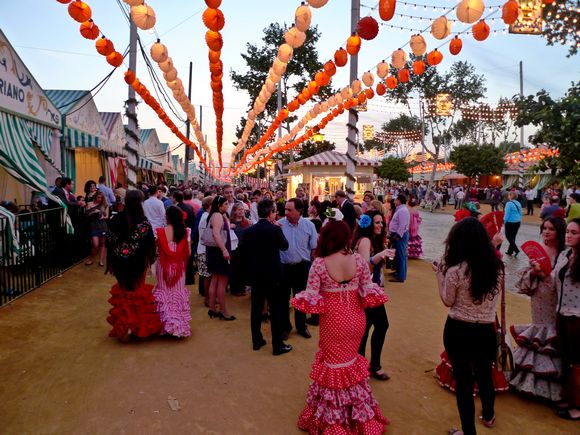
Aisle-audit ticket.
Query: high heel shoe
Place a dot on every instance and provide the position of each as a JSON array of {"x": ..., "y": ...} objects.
[
  {"x": 222, "y": 317},
  {"x": 213, "y": 314}
]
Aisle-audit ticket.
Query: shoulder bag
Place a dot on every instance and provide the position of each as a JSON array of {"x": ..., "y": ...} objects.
[{"x": 207, "y": 238}]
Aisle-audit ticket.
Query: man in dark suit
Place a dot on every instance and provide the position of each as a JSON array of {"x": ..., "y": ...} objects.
[
  {"x": 261, "y": 245},
  {"x": 346, "y": 208}
]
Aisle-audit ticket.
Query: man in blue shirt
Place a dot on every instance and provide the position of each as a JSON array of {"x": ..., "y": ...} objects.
[
  {"x": 512, "y": 218},
  {"x": 107, "y": 191},
  {"x": 296, "y": 260}
]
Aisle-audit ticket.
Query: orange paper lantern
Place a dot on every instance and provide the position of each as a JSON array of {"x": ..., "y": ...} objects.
[
  {"x": 391, "y": 82},
  {"x": 403, "y": 75},
  {"x": 104, "y": 46},
  {"x": 353, "y": 44},
  {"x": 340, "y": 57},
  {"x": 130, "y": 76},
  {"x": 369, "y": 93},
  {"x": 510, "y": 12},
  {"x": 64, "y": 2},
  {"x": 387, "y": 9},
  {"x": 214, "y": 4},
  {"x": 434, "y": 57},
  {"x": 329, "y": 68},
  {"x": 214, "y": 56},
  {"x": 115, "y": 59},
  {"x": 89, "y": 30},
  {"x": 418, "y": 67},
  {"x": 214, "y": 40},
  {"x": 79, "y": 11},
  {"x": 455, "y": 45},
  {"x": 367, "y": 28},
  {"x": 480, "y": 30},
  {"x": 381, "y": 89},
  {"x": 213, "y": 19}
]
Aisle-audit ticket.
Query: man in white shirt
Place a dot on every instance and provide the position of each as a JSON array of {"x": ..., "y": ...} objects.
[
  {"x": 530, "y": 196},
  {"x": 256, "y": 198},
  {"x": 459, "y": 197},
  {"x": 154, "y": 209}
]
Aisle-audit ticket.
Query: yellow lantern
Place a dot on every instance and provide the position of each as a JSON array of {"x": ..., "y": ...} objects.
[
  {"x": 302, "y": 18},
  {"x": 368, "y": 79},
  {"x": 294, "y": 37},
  {"x": 317, "y": 3},
  {"x": 285, "y": 52},
  {"x": 418, "y": 45},
  {"x": 143, "y": 16},
  {"x": 159, "y": 52},
  {"x": 382, "y": 69},
  {"x": 399, "y": 58},
  {"x": 441, "y": 28},
  {"x": 469, "y": 11},
  {"x": 166, "y": 65}
]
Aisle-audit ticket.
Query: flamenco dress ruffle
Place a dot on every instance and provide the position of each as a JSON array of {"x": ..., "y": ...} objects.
[
  {"x": 415, "y": 247},
  {"x": 173, "y": 304},
  {"x": 133, "y": 312}
]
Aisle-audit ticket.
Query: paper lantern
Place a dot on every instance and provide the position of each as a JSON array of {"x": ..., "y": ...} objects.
[
  {"x": 134, "y": 2},
  {"x": 214, "y": 56},
  {"x": 294, "y": 37},
  {"x": 79, "y": 11},
  {"x": 89, "y": 30},
  {"x": 368, "y": 79},
  {"x": 166, "y": 65},
  {"x": 270, "y": 86},
  {"x": 214, "y": 4},
  {"x": 399, "y": 58},
  {"x": 387, "y": 9},
  {"x": 104, "y": 46},
  {"x": 381, "y": 89},
  {"x": 353, "y": 44},
  {"x": 329, "y": 68},
  {"x": 64, "y": 2},
  {"x": 313, "y": 88},
  {"x": 285, "y": 52},
  {"x": 130, "y": 76},
  {"x": 346, "y": 93},
  {"x": 302, "y": 18},
  {"x": 361, "y": 98},
  {"x": 418, "y": 67},
  {"x": 317, "y": 3},
  {"x": 279, "y": 67},
  {"x": 214, "y": 40},
  {"x": 369, "y": 93},
  {"x": 480, "y": 31},
  {"x": 441, "y": 28},
  {"x": 213, "y": 19},
  {"x": 340, "y": 57},
  {"x": 382, "y": 69},
  {"x": 367, "y": 28},
  {"x": 115, "y": 59},
  {"x": 158, "y": 52},
  {"x": 403, "y": 75},
  {"x": 170, "y": 75},
  {"x": 216, "y": 67},
  {"x": 548, "y": 2},
  {"x": 322, "y": 78},
  {"x": 469, "y": 11},
  {"x": 434, "y": 58},
  {"x": 356, "y": 86},
  {"x": 143, "y": 16},
  {"x": 418, "y": 45},
  {"x": 176, "y": 85},
  {"x": 455, "y": 45},
  {"x": 510, "y": 12}
]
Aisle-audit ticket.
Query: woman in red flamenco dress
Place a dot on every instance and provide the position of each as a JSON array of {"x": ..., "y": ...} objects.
[
  {"x": 131, "y": 250},
  {"x": 340, "y": 400}
]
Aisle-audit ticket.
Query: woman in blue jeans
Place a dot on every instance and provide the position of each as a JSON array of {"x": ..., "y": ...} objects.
[{"x": 470, "y": 277}]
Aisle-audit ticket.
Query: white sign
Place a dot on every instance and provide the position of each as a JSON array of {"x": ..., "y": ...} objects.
[{"x": 19, "y": 91}]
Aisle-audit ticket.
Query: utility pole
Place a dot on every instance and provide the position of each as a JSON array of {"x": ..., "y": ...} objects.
[
  {"x": 352, "y": 140},
  {"x": 187, "y": 129},
  {"x": 280, "y": 126},
  {"x": 133, "y": 136},
  {"x": 521, "y": 156},
  {"x": 422, "y": 113}
]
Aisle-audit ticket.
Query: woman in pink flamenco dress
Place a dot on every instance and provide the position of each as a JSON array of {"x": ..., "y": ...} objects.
[
  {"x": 171, "y": 294},
  {"x": 340, "y": 400}
]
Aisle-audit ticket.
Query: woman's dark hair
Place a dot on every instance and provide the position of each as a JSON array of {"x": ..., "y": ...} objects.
[
  {"x": 217, "y": 202},
  {"x": 575, "y": 265},
  {"x": 559, "y": 225},
  {"x": 134, "y": 207},
  {"x": 334, "y": 237},
  {"x": 88, "y": 186},
  {"x": 175, "y": 219},
  {"x": 377, "y": 240},
  {"x": 324, "y": 205},
  {"x": 469, "y": 242}
]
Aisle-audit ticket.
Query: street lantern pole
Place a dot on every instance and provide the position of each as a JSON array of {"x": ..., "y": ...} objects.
[
  {"x": 352, "y": 139},
  {"x": 133, "y": 131}
]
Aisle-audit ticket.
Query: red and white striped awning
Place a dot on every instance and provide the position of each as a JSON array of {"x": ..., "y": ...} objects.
[{"x": 330, "y": 158}]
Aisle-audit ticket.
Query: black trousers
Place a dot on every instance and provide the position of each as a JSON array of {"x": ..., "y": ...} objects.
[
  {"x": 511, "y": 231},
  {"x": 530, "y": 206},
  {"x": 237, "y": 277},
  {"x": 471, "y": 348},
  {"x": 277, "y": 301},
  {"x": 295, "y": 279},
  {"x": 377, "y": 318},
  {"x": 569, "y": 335}
]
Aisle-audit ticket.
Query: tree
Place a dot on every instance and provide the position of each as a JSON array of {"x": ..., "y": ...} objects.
[
  {"x": 558, "y": 123},
  {"x": 393, "y": 168},
  {"x": 311, "y": 148},
  {"x": 561, "y": 25},
  {"x": 475, "y": 160},
  {"x": 300, "y": 70}
]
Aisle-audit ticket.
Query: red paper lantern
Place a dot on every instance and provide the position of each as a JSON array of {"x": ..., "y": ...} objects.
[
  {"x": 115, "y": 59},
  {"x": 213, "y": 19},
  {"x": 104, "y": 46},
  {"x": 329, "y": 68},
  {"x": 369, "y": 93},
  {"x": 79, "y": 11},
  {"x": 367, "y": 28},
  {"x": 214, "y": 4},
  {"x": 381, "y": 89},
  {"x": 403, "y": 75},
  {"x": 387, "y": 9},
  {"x": 510, "y": 12},
  {"x": 418, "y": 67},
  {"x": 130, "y": 76},
  {"x": 455, "y": 45},
  {"x": 89, "y": 30},
  {"x": 480, "y": 30},
  {"x": 391, "y": 82},
  {"x": 214, "y": 40},
  {"x": 340, "y": 57},
  {"x": 434, "y": 57}
]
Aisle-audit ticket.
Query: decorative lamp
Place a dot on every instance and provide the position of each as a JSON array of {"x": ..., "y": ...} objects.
[
  {"x": 104, "y": 46},
  {"x": 143, "y": 16},
  {"x": 166, "y": 65},
  {"x": 115, "y": 59},
  {"x": 213, "y": 19},
  {"x": 340, "y": 57},
  {"x": 317, "y": 3},
  {"x": 480, "y": 31},
  {"x": 353, "y": 44}
]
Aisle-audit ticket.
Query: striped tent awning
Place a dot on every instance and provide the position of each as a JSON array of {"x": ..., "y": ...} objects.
[
  {"x": 148, "y": 164},
  {"x": 79, "y": 139},
  {"x": 330, "y": 158}
]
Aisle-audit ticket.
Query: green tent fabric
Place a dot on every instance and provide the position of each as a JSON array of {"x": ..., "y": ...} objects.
[
  {"x": 9, "y": 220},
  {"x": 18, "y": 158}
]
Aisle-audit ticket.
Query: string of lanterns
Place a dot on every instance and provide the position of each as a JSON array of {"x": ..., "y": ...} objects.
[
  {"x": 389, "y": 137},
  {"x": 531, "y": 155},
  {"x": 428, "y": 167}
]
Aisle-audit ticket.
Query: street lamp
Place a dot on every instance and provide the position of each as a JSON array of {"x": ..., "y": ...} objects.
[{"x": 318, "y": 137}]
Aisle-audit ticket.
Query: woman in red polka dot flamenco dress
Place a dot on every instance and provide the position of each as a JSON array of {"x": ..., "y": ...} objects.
[{"x": 340, "y": 400}]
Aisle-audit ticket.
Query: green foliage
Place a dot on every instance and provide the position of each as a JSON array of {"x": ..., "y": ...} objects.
[
  {"x": 561, "y": 25},
  {"x": 311, "y": 148},
  {"x": 474, "y": 160},
  {"x": 393, "y": 168},
  {"x": 558, "y": 123}
]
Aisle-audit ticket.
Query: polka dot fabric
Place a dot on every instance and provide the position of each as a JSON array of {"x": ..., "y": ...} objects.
[{"x": 340, "y": 400}]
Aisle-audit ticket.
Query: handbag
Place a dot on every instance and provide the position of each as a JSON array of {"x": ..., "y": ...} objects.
[
  {"x": 504, "y": 358},
  {"x": 207, "y": 238}
]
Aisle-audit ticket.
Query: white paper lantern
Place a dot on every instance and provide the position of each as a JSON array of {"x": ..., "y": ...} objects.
[
  {"x": 418, "y": 45},
  {"x": 294, "y": 37},
  {"x": 382, "y": 69},
  {"x": 339, "y": 99},
  {"x": 399, "y": 58},
  {"x": 279, "y": 67},
  {"x": 346, "y": 93},
  {"x": 302, "y": 18},
  {"x": 317, "y": 3},
  {"x": 332, "y": 101},
  {"x": 143, "y": 16},
  {"x": 356, "y": 86},
  {"x": 175, "y": 85},
  {"x": 166, "y": 65},
  {"x": 368, "y": 79},
  {"x": 469, "y": 11},
  {"x": 441, "y": 28},
  {"x": 324, "y": 106},
  {"x": 170, "y": 75},
  {"x": 158, "y": 52},
  {"x": 285, "y": 53},
  {"x": 270, "y": 85}
]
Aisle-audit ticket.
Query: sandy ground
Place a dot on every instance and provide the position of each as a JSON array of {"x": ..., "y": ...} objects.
[{"x": 61, "y": 374}]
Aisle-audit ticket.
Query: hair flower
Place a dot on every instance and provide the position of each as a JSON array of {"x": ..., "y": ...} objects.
[
  {"x": 365, "y": 221},
  {"x": 334, "y": 214}
]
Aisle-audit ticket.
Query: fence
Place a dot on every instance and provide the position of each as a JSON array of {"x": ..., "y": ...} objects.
[{"x": 44, "y": 250}]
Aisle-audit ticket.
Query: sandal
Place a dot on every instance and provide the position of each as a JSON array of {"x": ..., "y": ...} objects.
[
  {"x": 489, "y": 424},
  {"x": 88, "y": 263},
  {"x": 101, "y": 264},
  {"x": 566, "y": 415}
]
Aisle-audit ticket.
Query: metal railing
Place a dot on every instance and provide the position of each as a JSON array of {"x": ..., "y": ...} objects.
[{"x": 44, "y": 250}]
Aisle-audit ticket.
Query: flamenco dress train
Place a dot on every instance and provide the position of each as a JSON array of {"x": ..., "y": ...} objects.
[{"x": 340, "y": 400}]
